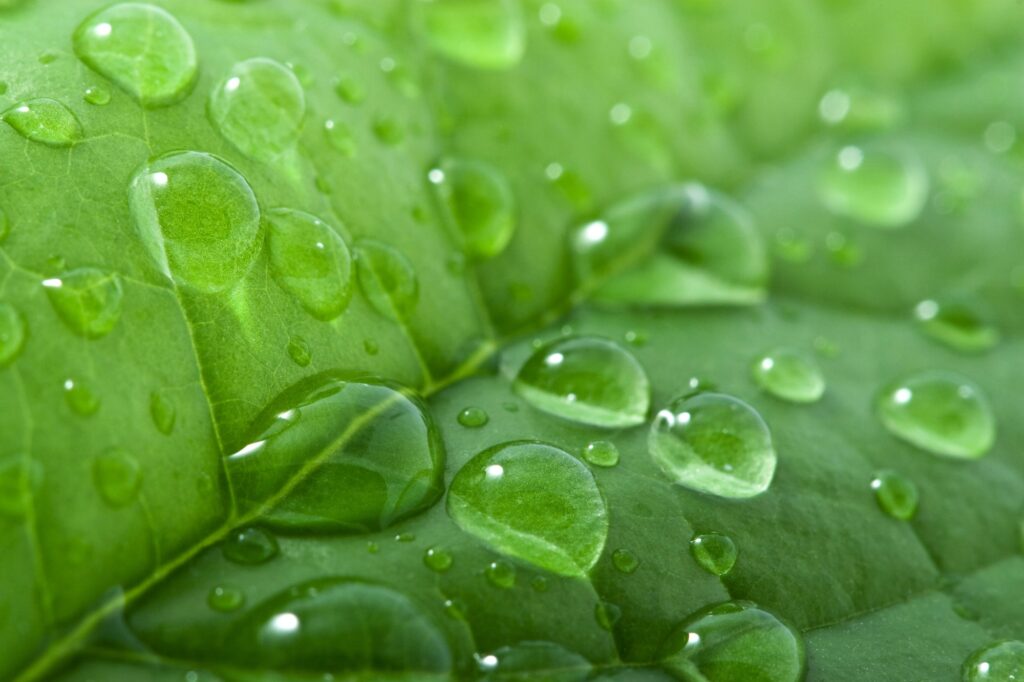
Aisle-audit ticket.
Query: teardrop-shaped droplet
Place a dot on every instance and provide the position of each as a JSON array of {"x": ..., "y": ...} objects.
[
  {"x": 586, "y": 379},
  {"x": 999, "y": 662},
  {"x": 20, "y": 477},
  {"x": 714, "y": 443},
  {"x": 12, "y": 333},
  {"x": 480, "y": 202},
  {"x": 957, "y": 323},
  {"x": 535, "y": 502},
  {"x": 387, "y": 279},
  {"x": 735, "y": 642},
  {"x": 250, "y": 546},
  {"x": 80, "y": 397},
  {"x": 788, "y": 374},
  {"x": 198, "y": 219},
  {"x": 310, "y": 261},
  {"x": 258, "y": 107},
  {"x": 485, "y": 34},
  {"x": 501, "y": 574},
  {"x": 896, "y": 494},
  {"x": 163, "y": 412},
  {"x": 716, "y": 553},
  {"x": 225, "y": 599},
  {"x": 877, "y": 187},
  {"x": 538, "y": 661},
  {"x": 349, "y": 456},
  {"x": 625, "y": 561},
  {"x": 941, "y": 412},
  {"x": 438, "y": 559},
  {"x": 117, "y": 476},
  {"x": 46, "y": 121},
  {"x": 473, "y": 417},
  {"x": 299, "y": 351},
  {"x": 88, "y": 300},
  {"x": 602, "y": 453},
  {"x": 142, "y": 49}
]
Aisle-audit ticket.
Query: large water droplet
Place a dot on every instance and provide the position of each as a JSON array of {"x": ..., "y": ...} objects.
[
  {"x": 387, "y": 279},
  {"x": 46, "y": 121},
  {"x": 896, "y": 495},
  {"x": 999, "y": 662},
  {"x": 258, "y": 107},
  {"x": 716, "y": 553},
  {"x": 788, "y": 374},
  {"x": 880, "y": 188},
  {"x": 486, "y": 34},
  {"x": 586, "y": 379},
  {"x": 714, "y": 443},
  {"x": 535, "y": 502},
  {"x": 88, "y": 300},
  {"x": 20, "y": 476},
  {"x": 250, "y": 546},
  {"x": 480, "y": 202},
  {"x": 958, "y": 323},
  {"x": 338, "y": 455},
  {"x": 142, "y": 49},
  {"x": 80, "y": 397},
  {"x": 117, "y": 476},
  {"x": 538, "y": 661},
  {"x": 197, "y": 217},
  {"x": 735, "y": 642},
  {"x": 12, "y": 333},
  {"x": 310, "y": 261},
  {"x": 941, "y": 412}
]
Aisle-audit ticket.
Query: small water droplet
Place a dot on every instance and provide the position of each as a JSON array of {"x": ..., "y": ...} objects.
[
  {"x": 388, "y": 130},
  {"x": 473, "y": 417},
  {"x": 370, "y": 347},
  {"x": 299, "y": 351},
  {"x": 88, "y": 300},
  {"x": 455, "y": 609},
  {"x": 339, "y": 136},
  {"x": 896, "y": 495},
  {"x": 405, "y": 536},
  {"x": 350, "y": 90},
  {"x": 880, "y": 188},
  {"x": 225, "y": 599},
  {"x": 386, "y": 278},
  {"x": 20, "y": 477},
  {"x": 607, "y": 615},
  {"x": 13, "y": 331},
  {"x": 602, "y": 453},
  {"x": 250, "y": 546},
  {"x": 539, "y": 584},
  {"x": 46, "y": 121},
  {"x": 999, "y": 662},
  {"x": 486, "y": 34},
  {"x": 625, "y": 561},
  {"x": 163, "y": 412},
  {"x": 438, "y": 559},
  {"x": 480, "y": 202},
  {"x": 80, "y": 397},
  {"x": 570, "y": 185},
  {"x": 789, "y": 374},
  {"x": 117, "y": 476},
  {"x": 97, "y": 94},
  {"x": 501, "y": 574},
  {"x": 716, "y": 553},
  {"x": 637, "y": 339},
  {"x": 958, "y": 323},
  {"x": 372, "y": 547}
]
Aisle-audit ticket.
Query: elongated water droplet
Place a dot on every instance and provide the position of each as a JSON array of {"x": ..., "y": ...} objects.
[
  {"x": 117, "y": 476},
  {"x": 20, "y": 477},
  {"x": 941, "y": 412},
  {"x": 538, "y": 661},
  {"x": 163, "y": 412},
  {"x": 142, "y": 49},
  {"x": 788, "y": 374},
  {"x": 896, "y": 495},
  {"x": 716, "y": 553},
  {"x": 625, "y": 561},
  {"x": 586, "y": 379},
  {"x": 88, "y": 300},
  {"x": 299, "y": 351},
  {"x": 532, "y": 501},
  {"x": 999, "y": 662},
  {"x": 97, "y": 94},
  {"x": 957, "y": 323},
  {"x": 46, "y": 121},
  {"x": 310, "y": 261},
  {"x": 602, "y": 453},
  {"x": 473, "y": 417},
  {"x": 880, "y": 188},
  {"x": 438, "y": 559},
  {"x": 250, "y": 546},
  {"x": 12, "y": 333},
  {"x": 258, "y": 107},
  {"x": 197, "y": 217},
  {"x": 224, "y": 598},
  {"x": 501, "y": 574},
  {"x": 486, "y": 34},
  {"x": 80, "y": 397},
  {"x": 480, "y": 202},
  {"x": 387, "y": 279},
  {"x": 714, "y": 443}
]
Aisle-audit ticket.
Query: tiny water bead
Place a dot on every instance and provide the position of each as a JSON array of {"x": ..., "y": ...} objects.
[
  {"x": 715, "y": 552},
  {"x": 625, "y": 561},
  {"x": 532, "y": 501},
  {"x": 958, "y": 323},
  {"x": 117, "y": 476},
  {"x": 714, "y": 443},
  {"x": 735, "y": 642},
  {"x": 534, "y": 660},
  {"x": 939, "y": 411},
  {"x": 143, "y": 49},
  {"x": 479, "y": 201},
  {"x": 13, "y": 331},
  {"x": 46, "y": 121},
  {"x": 501, "y": 574},
  {"x": 601, "y": 453},
  {"x": 250, "y": 546},
  {"x": 586, "y": 379},
  {"x": 387, "y": 279},
  {"x": 473, "y": 418},
  {"x": 163, "y": 412},
  {"x": 225, "y": 599},
  {"x": 310, "y": 261},
  {"x": 87, "y": 300},
  {"x": 80, "y": 397},
  {"x": 789, "y": 374},
  {"x": 999, "y": 662},
  {"x": 896, "y": 495},
  {"x": 881, "y": 188},
  {"x": 258, "y": 107},
  {"x": 96, "y": 94},
  {"x": 299, "y": 351},
  {"x": 485, "y": 34},
  {"x": 197, "y": 217},
  {"x": 438, "y": 559}
]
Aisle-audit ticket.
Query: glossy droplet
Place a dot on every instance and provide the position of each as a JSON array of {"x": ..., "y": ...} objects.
[
  {"x": 46, "y": 121},
  {"x": 941, "y": 412},
  {"x": 896, "y": 495},
  {"x": 80, "y": 397},
  {"x": 388, "y": 130},
  {"x": 20, "y": 477},
  {"x": 250, "y": 546},
  {"x": 586, "y": 379},
  {"x": 788, "y": 374},
  {"x": 537, "y": 661},
  {"x": 625, "y": 561},
  {"x": 999, "y": 662},
  {"x": 880, "y": 188},
  {"x": 163, "y": 412},
  {"x": 88, "y": 300},
  {"x": 97, "y": 94},
  {"x": 501, "y": 574},
  {"x": 258, "y": 107},
  {"x": 350, "y": 90},
  {"x": 12, "y": 333},
  {"x": 340, "y": 137},
  {"x": 405, "y": 537},
  {"x": 607, "y": 615},
  {"x": 532, "y": 501},
  {"x": 602, "y": 453},
  {"x": 299, "y": 351},
  {"x": 225, "y": 599},
  {"x": 387, "y": 279},
  {"x": 957, "y": 323},
  {"x": 714, "y": 443},
  {"x": 310, "y": 261},
  {"x": 735, "y": 642},
  {"x": 438, "y": 559},
  {"x": 473, "y": 417},
  {"x": 142, "y": 49},
  {"x": 117, "y": 476},
  {"x": 197, "y": 217},
  {"x": 486, "y": 34},
  {"x": 480, "y": 202},
  {"x": 716, "y": 553},
  {"x": 340, "y": 456}
]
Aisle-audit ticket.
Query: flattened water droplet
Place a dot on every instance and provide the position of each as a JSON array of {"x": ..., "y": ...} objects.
[
  {"x": 602, "y": 453},
  {"x": 501, "y": 574},
  {"x": 12, "y": 333},
  {"x": 97, "y": 94},
  {"x": 486, "y": 34},
  {"x": 878, "y": 187},
  {"x": 438, "y": 559},
  {"x": 88, "y": 300},
  {"x": 532, "y": 501},
  {"x": 714, "y": 443},
  {"x": 197, "y": 217},
  {"x": 473, "y": 417},
  {"x": 20, "y": 476},
  {"x": 788, "y": 374},
  {"x": 999, "y": 662},
  {"x": 941, "y": 412},
  {"x": 625, "y": 561},
  {"x": 586, "y": 379},
  {"x": 117, "y": 476},
  {"x": 387, "y": 279},
  {"x": 538, "y": 661},
  {"x": 46, "y": 121},
  {"x": 80, "y": 397},
  {"x": 310, "y": 261},
  {"x": 163, "y": 412},
  {"x": 896, "y": 495},
  {"x": 299, "y": 351},
  {"x": 716, "y": 553},
  {"x": 142, "y": 49},
  {"x": 225, "y": 599},
  {"x": 480, "y": 203},
  {"x": 250, "y": 546},
  {"x": 958, "y": 323},
  {"x": 258, "y": 107}
]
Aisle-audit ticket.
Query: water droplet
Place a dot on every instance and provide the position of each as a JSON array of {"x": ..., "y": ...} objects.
[
  {"x": 455, "y": 609},
  {"x": 716, "y": 553},
  {"x": 299, "y": 351},
  {"x": 586, "y": 379},
  {"x": 340, "y": 138},
  {"x": 88, "y": 300},
  {"x": 405, "y": 537},
  {"x": 117, "y": 476},
  {"x": 602, "y": 453},
  {"x": 388, "y": 130},
  {"x": 735, "y": 641},
  {"x": 855, "y": 109},
  {"x": 197, "y": 217},
  {"x": 532, "y": 501},
  {"x": 97, "y": 94},
  {"x": 80, "y": 397},
  {"x": 12, "y": 333},
  {"x": 473, "y": 417},
  {"x": 958, "y": 323},
  {"x": 880, "y": 188},
  {"x": 895, "y": 494},
  {"x": 250, "y": 546},
  {"x": 539, "y": 584},
  {"x": 539, "y": 661},
  {"x": 224, "y": 599},
  {"x": 372, "y": 547},
  {"x": 163, "y": 412},
  {"x": 625, "y": 561},
  {"x": 142, "y": 49},
  {"x": 570, "y": 185},
  {"x": 387, "y": 279},
  {"x": 789, "y": 374},
  {"x": 714, "y": 443},
  {"x": 258, "y": 107},
  {"x": 350, "y": 456},
  {"x": 370, "y": 347},
  {"x": 486, "y": 34},
  {"x": 999, "y": 662},
  {"x": 438, "y": 559},
  {"x": 480, "y": 203},
  {"x": 607, "y": 615},
  {"x": 350, "y": 90},
  {"x": 941, "y": 412},
  {"x": 46, "y": 121},
  {"x": 20, "y": 477},
  {"x": 501, "y": 574}
]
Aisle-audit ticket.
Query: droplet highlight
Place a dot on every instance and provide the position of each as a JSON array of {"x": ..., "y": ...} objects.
[
  {"x": 250, "y": 546},
  {"x": 999, "y": 662},
  {"x": 601, "y": 453}
]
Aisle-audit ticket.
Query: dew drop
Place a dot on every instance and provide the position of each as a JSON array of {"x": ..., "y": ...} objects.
[
  {"x": 299, "y": 351},
  {"x": 405, "y": 537},
  {"x": 370, "y": 347},
  {"x": 607, "y": 615},
  {"x": 80, "y": 397},
  {"x": 88, "y": 300},
  {"x": 386, "y": 278},
  {"x": 880, "y": 188},
  {"x": 46, "y": 121},
  {"x": 12, "y": 333},
  {"x": 480, "y": 203},
  {"x": 97, "y": 94},
  {"x": 350, "y": 90},
  {"x": 250, "y": 546},
  {"x": 789, "y": 374},
  {"x": 20, "y": 476},
  {"x": 225, "y": 599},
  {"x": 896, "y": 495},
  {"x": 625, "y": 561},
  {"x": 958, "y": 323},
  {"x": 473, "y": 417},
  {"x": 501, "y": 574},
  {"x": 601, "y": 453},
  {"x": 388, "y": 131},
  {"x": 716, "y": 553},
  {"x": 438, "y": 559},
  {"x": 340, "y": 138},
  {"x": 163, "y": 412},
  {"x": 999, "y": 662},
  {"x": 117, "y": 476},
  {"x": 485, "y": 34}
]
